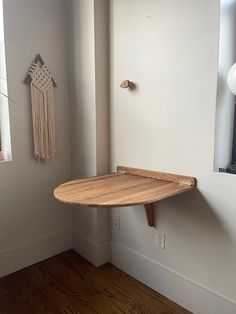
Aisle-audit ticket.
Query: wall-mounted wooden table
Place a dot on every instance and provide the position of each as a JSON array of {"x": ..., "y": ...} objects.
[{"x": 126, "y": 187}]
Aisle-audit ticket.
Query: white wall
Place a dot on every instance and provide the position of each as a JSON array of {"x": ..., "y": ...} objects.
[
  {"x": 88, "y": 81},
  {"x": 225, "y": 99},
  {"x": 33, "y": 225},
  {"x": 5, "y": 136},
  {"x": 170, "y": 50}
]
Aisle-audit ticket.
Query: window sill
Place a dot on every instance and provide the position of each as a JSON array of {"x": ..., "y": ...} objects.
[
  {"x": 1, "y": 156},
  {"x": 2, "y": 159}
]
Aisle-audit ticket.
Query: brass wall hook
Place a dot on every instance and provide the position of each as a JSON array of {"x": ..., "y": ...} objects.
[{"x": 127, "y": 84}]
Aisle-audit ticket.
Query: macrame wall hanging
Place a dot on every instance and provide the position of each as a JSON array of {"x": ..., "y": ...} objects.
[{"x": 43, "y": 112}]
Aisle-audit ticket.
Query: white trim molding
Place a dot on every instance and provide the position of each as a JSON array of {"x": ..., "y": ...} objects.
[
  {"x": 185, "y": 292},
  {"x": 96, "y": 253},
  {"x": 29, "y": 253}
]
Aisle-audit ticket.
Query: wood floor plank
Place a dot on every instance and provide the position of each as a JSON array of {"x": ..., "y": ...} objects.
[
  {"x": 136, "y": 291},
  {"x": 68, "y": 284}
]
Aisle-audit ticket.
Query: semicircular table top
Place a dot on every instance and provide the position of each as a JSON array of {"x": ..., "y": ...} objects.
[{"x": 126, "y": 187}]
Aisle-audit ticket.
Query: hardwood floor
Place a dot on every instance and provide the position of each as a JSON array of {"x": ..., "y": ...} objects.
[{"x": 68, "y": 284}]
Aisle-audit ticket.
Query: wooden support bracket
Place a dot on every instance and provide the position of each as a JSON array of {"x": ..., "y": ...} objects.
[{"x": 149, "y": 214}]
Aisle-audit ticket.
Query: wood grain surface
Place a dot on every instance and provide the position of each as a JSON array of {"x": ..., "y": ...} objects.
[
  {"x": 170, "y": 177},
  {"x": 127, "y": 187},
  {"x": 67, "y": 284}
]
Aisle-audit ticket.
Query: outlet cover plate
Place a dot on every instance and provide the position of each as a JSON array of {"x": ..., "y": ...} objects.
[
  {"x": 116, "y": 222},
  {"x": 160, "y": 239}
]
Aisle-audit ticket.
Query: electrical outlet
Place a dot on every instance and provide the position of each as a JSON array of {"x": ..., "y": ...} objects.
[
  {"x": 160, "y": 240},
  {"x": 116, "y": 222}
]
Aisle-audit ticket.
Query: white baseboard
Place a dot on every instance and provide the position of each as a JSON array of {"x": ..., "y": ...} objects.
[
  {"x": 189, "y": 294},
  {"x": 96, "y": 253},
  {"x": 27, "y": 254}
]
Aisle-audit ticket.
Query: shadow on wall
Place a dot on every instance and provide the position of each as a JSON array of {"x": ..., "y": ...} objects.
[
  {"x": 221, "y": 89},
  {"x": 191, "y": 213},
  {"x": 190, "y": 224},
  {"x": 81, "y": 98}
]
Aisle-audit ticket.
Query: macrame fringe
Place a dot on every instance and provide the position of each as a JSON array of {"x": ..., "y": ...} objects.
[{"x": 43, "y": 115}]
